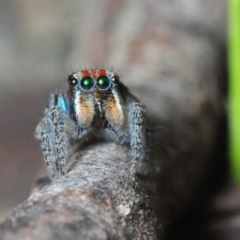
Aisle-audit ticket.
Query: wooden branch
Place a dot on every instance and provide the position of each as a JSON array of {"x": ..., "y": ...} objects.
[{"x": 97, "y": 199}]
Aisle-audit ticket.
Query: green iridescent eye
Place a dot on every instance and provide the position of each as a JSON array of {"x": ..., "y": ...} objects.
[
  {"x": 87, "y": 83},
  {"x": 72, "y": 81},
  {"x": 115, "y": 79},
  {"x": 103, "y": 82}
]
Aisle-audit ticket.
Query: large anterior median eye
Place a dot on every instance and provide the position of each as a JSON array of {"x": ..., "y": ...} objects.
[
  {"x": 87, "y": 83},
  {"x": 103, "y": 82}
]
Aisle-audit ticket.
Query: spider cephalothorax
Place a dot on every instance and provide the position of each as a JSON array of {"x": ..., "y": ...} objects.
[{"x": 96, "y": 103}]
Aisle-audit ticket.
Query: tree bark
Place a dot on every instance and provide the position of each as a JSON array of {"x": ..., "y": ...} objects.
[{"x": 97, "y": 199}]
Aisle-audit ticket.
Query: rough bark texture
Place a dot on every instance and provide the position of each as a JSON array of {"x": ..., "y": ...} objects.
[
  {"x": 173, "y": 59},
  {"x": 97, "y": 199}
]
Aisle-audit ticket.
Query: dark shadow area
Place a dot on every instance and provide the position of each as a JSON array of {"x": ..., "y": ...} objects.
[{"x": 215, "y": 212}]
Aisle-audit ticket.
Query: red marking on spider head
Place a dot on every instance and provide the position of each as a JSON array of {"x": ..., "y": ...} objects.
[
  {"x": 101, "y": 72},
  {"x": 85, "y": 73},
  {"x": 93, "y": 73}
]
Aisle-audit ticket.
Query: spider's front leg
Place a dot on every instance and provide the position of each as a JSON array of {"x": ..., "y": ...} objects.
[
  {"x": 55, "y": 131},
  {"x": 139, "y": 135}
]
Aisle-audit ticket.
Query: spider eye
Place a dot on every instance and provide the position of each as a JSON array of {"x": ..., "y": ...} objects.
[
  {"x": 72, "y": 81},
  {"x": 115, "y": 79},
  {"x": 87, "y": 83},
  {"x": 103, "y": 82}
]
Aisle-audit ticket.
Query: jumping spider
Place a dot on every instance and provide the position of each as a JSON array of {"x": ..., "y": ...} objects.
[{"x": 96, "y": 103}]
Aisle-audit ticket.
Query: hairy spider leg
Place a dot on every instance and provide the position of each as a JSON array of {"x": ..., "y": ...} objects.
[
  {"x": 83, "y": 111},
  {"x": 43, "y": 133},
  {"x": 138, "y": 135},
  {"x": 114, "y": 108},
  {"x": 62, "y": 103},
  {"x": 55, "y": 130}
]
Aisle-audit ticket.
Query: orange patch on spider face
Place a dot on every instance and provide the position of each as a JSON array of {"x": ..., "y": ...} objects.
[
  {"x": 85, "y": 73},
  {"x": 113, "y": 111},
  {"x": 86, "y": 112},
  {"x": 101, "y": 72},
  {"x": 94, "y": 73}
]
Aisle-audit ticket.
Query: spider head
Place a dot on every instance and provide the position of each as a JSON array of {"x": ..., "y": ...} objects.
[{"x": 95, "y": 98}]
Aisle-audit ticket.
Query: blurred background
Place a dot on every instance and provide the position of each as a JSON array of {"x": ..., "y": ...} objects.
[{"x": 42, "y": 42}]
